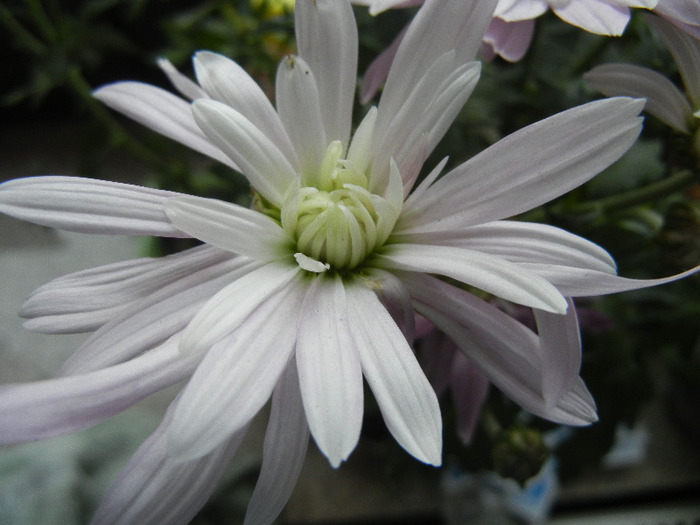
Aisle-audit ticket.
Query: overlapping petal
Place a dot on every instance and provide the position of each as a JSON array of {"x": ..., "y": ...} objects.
[{"x": 88, "y": 206}]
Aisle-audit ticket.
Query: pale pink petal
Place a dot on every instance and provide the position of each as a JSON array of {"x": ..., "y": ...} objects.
[
  {"x": 299, "y": 108},
  {"x": 529, "y": 167},
  {"x": 327, "y": 40},
  {"x": 161, "y": 111},
  {"x": 664, "y": 100},
  {"x": 560, "y": 350},
  {"x": 154, "y": 488},
  {"x": 469, "y": 391},
  {"x": 85, "y": 300},
  {"x": 684, "y": 14},
  {"x": 88, "y": 206},
  {"x": 516, "y": 10},
  {"x": 52, "y": 407},
  {"x": 227, "y": 82},
  {"x": 237, "y": 375},
  {"x": 376, "y": 73},
  {"x": 230, "y": 227},
  {"x": 407, "y": 402},
  {"x": 330, "y": 375},
  {"x": 284, "y": 450},
  {"x": 490, "y": 273},
  {"x": 510, "y": 40},
  {"x": 260, "y": 160},
  {"x": 595, "y": 16}
]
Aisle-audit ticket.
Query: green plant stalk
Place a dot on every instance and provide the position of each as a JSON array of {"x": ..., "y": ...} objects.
[{"x": 21, "y": 35}]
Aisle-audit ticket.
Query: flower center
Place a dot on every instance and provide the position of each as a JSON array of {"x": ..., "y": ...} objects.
[{"x": 335, "y": 220}]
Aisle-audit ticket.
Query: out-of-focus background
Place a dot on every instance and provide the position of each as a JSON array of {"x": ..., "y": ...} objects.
[{"x": 639, "y": 465}]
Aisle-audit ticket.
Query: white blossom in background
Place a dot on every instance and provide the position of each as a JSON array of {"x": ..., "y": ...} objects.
[
  {"x": 315, "y": 287},
  {"x": 676, "y": 108}
]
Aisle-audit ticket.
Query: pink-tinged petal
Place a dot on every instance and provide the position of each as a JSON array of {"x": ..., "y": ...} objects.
[
  {"x": 330, "y": 375},
  {"x": 516, "y": 10},
  {"x": 259, "y": 158},
  {"x": 155, "y": 318},
  {"x": 52, "y": 407},
  {"x": 88, "y": 206},
  {"x": 299, "y": 108},
  {"x": 560, "y": 351},
  {"x": 154, "y": 488},
  {"x": 490, "y": 273},
  {"x": 230, "y": 227},
  {"x": 436, "y": 357},
  {"x": 237, "y": 375},
  {"x": 686, "y": 54},
  {"x": 395, "y": 298},
  {"x": 582, "y": 282},
  {"x": 506, "y": 352},
  {"x": 227, "y": 82},
  {"x": 228, "y": 310},
  {"x": 529, "y": 167},
  {"x": 684, "y": 14},
  {"x": 510, "y": 40},
  {"x": 664, "y": 99},
  {"x": 327, "y": 40},
  {"x": 85, "y": 300},
  {"x": 284, "y": 450},
  {"x": 595, "y": 16},
  {"x": 469, "y": 391},
  {"x": 378, "y": 70},
  {"x": 521, "y": 242},
  {"x": 407, "y": 402},
  {"x": 161, "y": 111},
  {"x": 182, "y": 83}
]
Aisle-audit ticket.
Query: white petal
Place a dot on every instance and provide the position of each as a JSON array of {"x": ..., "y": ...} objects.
[
  {"x": 85, "y": 300},
  {"x": 154, "y": 318},
  {"x": 581, "y": 282},
  {"x": 595, "y": 16},
  {"x": 52, "y": 407},
  {"x": 299, "y": 108},
  {"x": 259, "y": 158},
  {"x": 183, "y": 84},
  {"x": 88, "y": 206},
  {"x": 284, "y": 450},
  {"x": 161, "y": 111},
  {"x": 237, "y": 375},
  {"x": 407, "y": 401},
  {"x": 327, "y": 40},
  {"x": 395, "y": 298},
  {"x": 490, "y": 273},
  {"x": 664, "y": 100},
  {"x": 153, "y": 488},
  {"x": 227, "y": 82},
  {"x": 329, "y": 370},
  {"x": 230, "y": 227},
  {"x": 505, "y": 351},
  {"x": 560, "y": 351},
  {"x": 521, "y": 242},
  {"x": 529, "y": 167}
]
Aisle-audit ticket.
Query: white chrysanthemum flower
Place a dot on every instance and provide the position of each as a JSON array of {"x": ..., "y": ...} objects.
[{"x": 315, "y": 287}]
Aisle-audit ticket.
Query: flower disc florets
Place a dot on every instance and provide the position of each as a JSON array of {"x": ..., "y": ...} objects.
[{"x": 334, "y": 218}]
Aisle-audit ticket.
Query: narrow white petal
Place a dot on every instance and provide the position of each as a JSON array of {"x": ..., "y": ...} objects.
[
  {"x": 284, "y": 450},
  {"x": 664, "y": 100},
  {"x": 259, "y": 158},
  {"x": 227, "y": 82},
  {"x": 327, "y": 40},
  {"x": 52, "y": 407},
  {"x": 329, "y": 370},
  {"x": 161, "y": 111},
  {"x": 506, "y": 351},
  {"x": 490, "y": 273},
  {"x": 88, "y": 206},
  {"x": 529, "y": 167},
  {"x": 395, "y": 298},
  {"x": 521, "y": 242},
  {"x": 299, "y": 108},
  {"x": 85, "y": 300},
  {"x": 560, "y": 351},
  {"x": 153, "y": 488},
  {"x": 154, "y": 318},
  {"x": 582, "y": 282},
  {"x": 229, "y": 309},
  {"x": 407, "y": 402},
  {"x": 230, "y": 227},
  {"x": 237, "y": 375},
  {"x": 182, "y": 83},
  {"x": 595, "y": 16}
]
